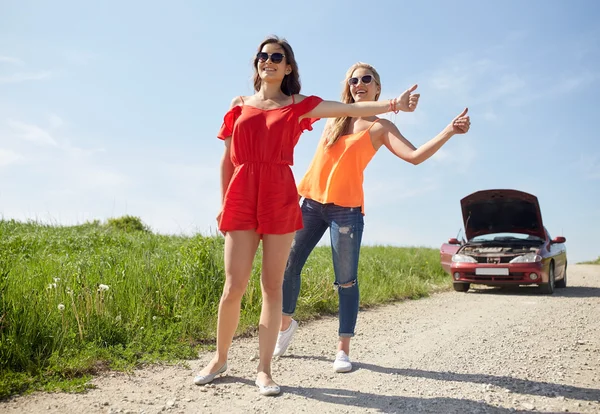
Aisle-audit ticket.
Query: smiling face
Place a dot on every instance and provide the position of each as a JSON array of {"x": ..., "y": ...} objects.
[
  {"x": 270, "y": 71},
  {"x": 364, "y": 91},
  {"x": 267, "y": 70}
]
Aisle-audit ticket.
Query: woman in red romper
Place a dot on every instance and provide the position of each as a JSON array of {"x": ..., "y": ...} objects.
[{"x": 259, "y": 195}]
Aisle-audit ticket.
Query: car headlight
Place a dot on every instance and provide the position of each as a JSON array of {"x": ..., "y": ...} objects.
[
  {"x": 463, "y": 258},
  {"x": 527, "y": 258}
]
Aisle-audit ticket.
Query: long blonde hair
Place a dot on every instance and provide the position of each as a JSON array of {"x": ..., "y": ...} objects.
[{"x": 340, "y": 125}]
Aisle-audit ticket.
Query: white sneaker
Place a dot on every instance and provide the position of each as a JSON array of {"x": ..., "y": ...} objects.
[
  {"x": 342, "y": 362},
  {"x": 284, "y": 338}
]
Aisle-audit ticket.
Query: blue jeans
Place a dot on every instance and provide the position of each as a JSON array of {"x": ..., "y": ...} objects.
[{"x": 345, "y": 228}]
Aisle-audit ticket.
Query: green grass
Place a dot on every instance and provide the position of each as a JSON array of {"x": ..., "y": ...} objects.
[
  {"x": 75, "y": 301},
  {"x": 597, "y": 261}
]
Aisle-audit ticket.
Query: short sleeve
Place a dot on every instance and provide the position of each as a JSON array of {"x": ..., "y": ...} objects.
[
  {"x": 308, "y": 104},
  {"x": 228, "y": 122}
]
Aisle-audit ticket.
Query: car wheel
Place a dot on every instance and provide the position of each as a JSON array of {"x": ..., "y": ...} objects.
[
  {"x": 461, "y": 287},
  {"x": 562, "y": 283},
  {"x": 548, "y": 288}
]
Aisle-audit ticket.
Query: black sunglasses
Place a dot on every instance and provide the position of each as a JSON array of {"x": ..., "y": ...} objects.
[
  {"x": 364, "y": 79},
  {"x": 275, "y": 57}
]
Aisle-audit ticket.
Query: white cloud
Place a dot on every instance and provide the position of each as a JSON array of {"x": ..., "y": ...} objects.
[
  {"x": 46, "y": 137},
  {"x": 22, "y": 76},
  {"x": 505, "y": 86},
  {"x": 11, "y": 60},
  {"x": 93, "y": 176},
  {"x": 485, "y": 81},
  {"x": 55, "y": 121},
  {"x": 458, "y": 157},
  {"x": 25, "y": 76},
  {"x": 440, "y": 156},
  {"x": 449, "y": 80},
  {"x": 170, "y": 198},
  {"x": 572, "y": 83},
  {"x": 187, "y": 172},
  {"x": 556, "y": 87},
  {"x": 8, "y": 157},
  {"x": 460, "y": 74},
  {"x": 77, "y": 152},
  {"x": 479, "y": 81},
  {"x": 69, "y": 185},
  {"x": 32, "y": 133},
  {"x": 389, "y": 192}
]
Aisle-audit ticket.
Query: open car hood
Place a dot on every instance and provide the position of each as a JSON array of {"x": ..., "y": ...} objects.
[{"x": 501, "y": 211}]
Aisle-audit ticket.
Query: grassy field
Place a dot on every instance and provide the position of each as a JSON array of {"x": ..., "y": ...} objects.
[{"x": 78, "y": 300}]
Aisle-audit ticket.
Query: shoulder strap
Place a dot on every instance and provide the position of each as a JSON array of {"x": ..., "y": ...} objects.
[
  {"x": 242, "y": 99},
  {"x": 293, "y": 99},
  {"x": 373, "y": 123}
]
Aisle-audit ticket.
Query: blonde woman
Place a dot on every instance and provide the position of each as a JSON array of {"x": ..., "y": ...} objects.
[{"x": 333, "y": 199}]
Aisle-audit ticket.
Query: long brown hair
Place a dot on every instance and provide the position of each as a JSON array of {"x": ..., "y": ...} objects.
[
  {"x": 340, "y": 125},
  {"x": 291, "y": 83}
]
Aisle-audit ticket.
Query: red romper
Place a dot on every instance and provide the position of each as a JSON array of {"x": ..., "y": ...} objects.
[{"x": 262, "y": 193}]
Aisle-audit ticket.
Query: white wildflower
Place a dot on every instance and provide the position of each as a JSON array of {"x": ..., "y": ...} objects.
[
  {"x": 118, "y": 318},
  {"x": 103, "y": 288},
  {"x": 69, "y": 291},
  {"x": 57, "y": 279},
  {"x": 52, "y": 286},
  {"x": 154, "y": 318},
  {"x": 61, "y": 307}
]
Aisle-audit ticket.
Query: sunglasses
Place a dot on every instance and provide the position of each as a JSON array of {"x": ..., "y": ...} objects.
[
  {"x": 367, "y": 79},
  {"x": 275, "y": 57}
]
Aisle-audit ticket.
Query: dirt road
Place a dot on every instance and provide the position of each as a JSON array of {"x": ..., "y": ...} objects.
[{"x": 486, "y": 351}]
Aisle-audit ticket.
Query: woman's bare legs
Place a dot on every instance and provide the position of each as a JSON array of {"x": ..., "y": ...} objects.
[
  {"x": 240, "y": 249},
  {"x": 276, "y": 249}
]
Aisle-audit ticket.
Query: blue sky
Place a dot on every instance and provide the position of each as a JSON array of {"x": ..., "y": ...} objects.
[{"x": 112, "y": 108}]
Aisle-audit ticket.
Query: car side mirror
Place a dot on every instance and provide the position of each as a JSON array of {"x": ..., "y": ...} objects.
[
  {"x": 559, "y": 239},
  {"x": 453, "y": 240}
]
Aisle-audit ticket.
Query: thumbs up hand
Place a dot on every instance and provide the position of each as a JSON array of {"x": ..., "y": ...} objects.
[
  {"x": 462, "y": 123},
  {"x": 408, "y": 101}
]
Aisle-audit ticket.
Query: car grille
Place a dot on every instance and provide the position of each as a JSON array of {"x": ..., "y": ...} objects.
[
  {"x": 486, "y": 259},
  {"x": 513, "y": 277}
]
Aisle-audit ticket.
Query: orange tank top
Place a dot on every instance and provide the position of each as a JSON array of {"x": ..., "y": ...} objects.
[{"x": 335, "y": 174}]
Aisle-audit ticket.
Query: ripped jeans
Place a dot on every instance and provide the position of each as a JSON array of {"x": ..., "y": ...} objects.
[{"x": 346, "y": 228}]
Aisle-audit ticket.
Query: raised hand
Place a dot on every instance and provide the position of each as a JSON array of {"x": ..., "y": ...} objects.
[
  {"x": 408, "y": 101},
  {"x": 462, "y": 123}
]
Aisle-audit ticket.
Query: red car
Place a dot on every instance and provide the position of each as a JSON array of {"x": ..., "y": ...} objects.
[{"x": 507, "y": 244}]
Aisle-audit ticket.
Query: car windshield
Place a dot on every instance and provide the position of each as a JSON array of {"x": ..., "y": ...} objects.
[{"x": 496, "y": 237}]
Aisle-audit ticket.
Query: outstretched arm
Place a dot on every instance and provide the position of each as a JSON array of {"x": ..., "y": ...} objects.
[
  {"x": 402, "y": 148},
  {"x": 406, "y": 102}
]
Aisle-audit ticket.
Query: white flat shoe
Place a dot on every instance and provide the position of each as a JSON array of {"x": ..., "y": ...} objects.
[
  {"x": 205, "y": 379},
  {"x": 268, "y": 390}
]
